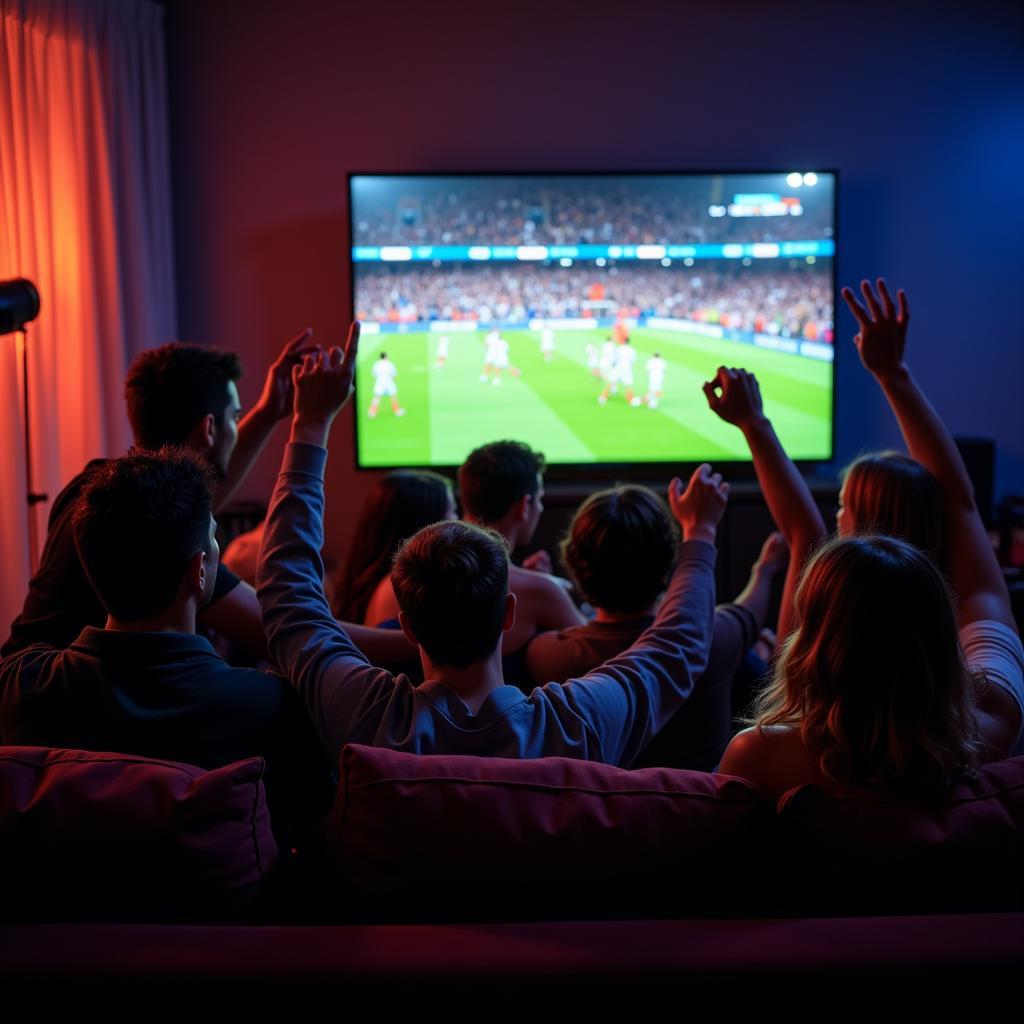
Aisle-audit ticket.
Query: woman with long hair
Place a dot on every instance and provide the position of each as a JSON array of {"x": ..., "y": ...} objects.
[
  {"x": 400, "y": 504},
  {"x": 881, "y": 681}
]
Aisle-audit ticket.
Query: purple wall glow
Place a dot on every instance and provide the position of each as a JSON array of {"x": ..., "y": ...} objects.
[{"x": 920, "y": 109}]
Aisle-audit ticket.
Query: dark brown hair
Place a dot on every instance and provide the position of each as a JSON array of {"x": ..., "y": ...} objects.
[
  {"x": 621, "y": 547},
  {"x": 170, "y": 389},
  {"x": 399, "y": 504},
  {"x": 136, "y": 524},
  {"x": 451, "y": 581},
  {"x": 495, "y": 476}
]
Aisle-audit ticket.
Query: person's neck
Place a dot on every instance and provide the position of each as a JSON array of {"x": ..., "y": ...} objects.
[
  {"x": 603, "y": 615},
  {"x": 508, "y": 530},
  {"x": 175, "y": 620},
  {"x": 473, "y": 683}
]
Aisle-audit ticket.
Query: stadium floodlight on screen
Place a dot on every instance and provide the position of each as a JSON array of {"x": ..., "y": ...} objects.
[{"x": 581, "y": 313}]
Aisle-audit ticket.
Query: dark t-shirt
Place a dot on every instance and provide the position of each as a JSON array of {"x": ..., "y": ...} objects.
[
  {"x": 61, "y": 601},
  {"x": 168, "y": 696},
  {"x": 697, "y": 734}
]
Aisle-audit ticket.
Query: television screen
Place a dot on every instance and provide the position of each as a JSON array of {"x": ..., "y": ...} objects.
[{"x": 582, "y": 313}]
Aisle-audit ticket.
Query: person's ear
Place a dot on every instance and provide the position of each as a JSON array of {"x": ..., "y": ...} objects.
[
  {"x": 197, "y": 574},
  {"x": 208, "y": 430},
  {"x": 510, "y": 613},
  {"x": 407, "y": 629},
  {"x": 523, "y": 507},
  {"x": 204, "y": 434}
]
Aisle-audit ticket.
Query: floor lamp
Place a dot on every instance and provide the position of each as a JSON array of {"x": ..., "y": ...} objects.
[{"x": 19, "y": 305}]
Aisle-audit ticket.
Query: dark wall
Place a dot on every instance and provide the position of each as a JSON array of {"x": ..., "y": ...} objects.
[{"x": 920, "y": 109}]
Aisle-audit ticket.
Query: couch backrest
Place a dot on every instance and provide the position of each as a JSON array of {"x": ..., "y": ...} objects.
[
  {"x": 853, "y": 851},
  {"x": 445, "y": 838},
  {"x": 102, "y": 836}
]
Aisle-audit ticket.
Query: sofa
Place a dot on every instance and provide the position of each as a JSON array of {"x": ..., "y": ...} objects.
[{"x": 127, "y": 882}]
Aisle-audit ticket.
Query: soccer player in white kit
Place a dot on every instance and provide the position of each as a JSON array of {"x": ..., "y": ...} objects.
[
  {"x": 442, "y": 351},
  {"x": 593, "y": 361},
  {"x": 621, "y": 372},
  {"x": 655, "y": 367},
  {"x": 384, "y": 373},
  {"x": 547, "y": 344},
  {"x": 496, "y": 358}
]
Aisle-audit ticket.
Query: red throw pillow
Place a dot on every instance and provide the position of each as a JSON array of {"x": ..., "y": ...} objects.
[
  {"x": 447, "y": 838},
  {"x": 855, "y": 851},
  {"x": 88, "y": 835}
]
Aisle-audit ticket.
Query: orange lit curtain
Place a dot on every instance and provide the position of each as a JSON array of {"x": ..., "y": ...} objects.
[{"x": 85, "y": 214}]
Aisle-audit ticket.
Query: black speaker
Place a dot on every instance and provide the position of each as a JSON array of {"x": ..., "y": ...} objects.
[{"x": 979, "y": 455}]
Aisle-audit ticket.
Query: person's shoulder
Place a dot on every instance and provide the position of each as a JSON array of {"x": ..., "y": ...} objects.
[
  {"x": 246, "y": 690},
  {"x": 530, "y": 580},
  {"x": 73, "y": 488},
  {"x": 764, "y": 754},
  {"x": 30, "y": 661},
  {"x": 383, "y": 605}
]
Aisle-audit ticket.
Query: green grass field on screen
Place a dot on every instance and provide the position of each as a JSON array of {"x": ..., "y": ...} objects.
[{"x": 553, "y": 405}]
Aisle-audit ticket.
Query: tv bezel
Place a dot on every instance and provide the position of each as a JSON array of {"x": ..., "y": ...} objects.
[{"x": 571, "y": 472}]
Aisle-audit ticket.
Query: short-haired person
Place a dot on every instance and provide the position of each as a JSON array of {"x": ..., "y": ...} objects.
[
  {"x": 620, "y": 551},
  {"x": 888, "y": 679},
  {"x": 501, "y": 487},
  {"x": 181, "y": 395},
  {"x": 452, "y": 584},
  {"x": 144, "y": 682}
]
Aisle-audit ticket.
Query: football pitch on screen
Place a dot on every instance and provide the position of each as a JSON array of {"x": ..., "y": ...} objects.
[{"x": 553, "y": 405}]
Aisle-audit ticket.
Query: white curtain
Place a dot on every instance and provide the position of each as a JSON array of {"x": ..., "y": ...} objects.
[{"x": 85, "y": 213}]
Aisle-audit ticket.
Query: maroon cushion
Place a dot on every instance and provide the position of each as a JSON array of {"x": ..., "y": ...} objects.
[
  {"x": 112, "y": 836},
  {"x": 466, "y": 838},
  {"x": 851, "y": 850}
]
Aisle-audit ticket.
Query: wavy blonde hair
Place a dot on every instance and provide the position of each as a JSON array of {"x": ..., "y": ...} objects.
[
  {"x": 889, "y": 492},
  {"x": 874, "y": 679}
]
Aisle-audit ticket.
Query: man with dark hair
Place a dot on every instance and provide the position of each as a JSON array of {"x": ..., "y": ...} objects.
[
  {"x": 501, "y": 486},
  {"x": 175, "y": 394},
  {"x": 453, "y": 572},
  {"x": 145, "y": 683},
  {"x": 497, "y": 477},
  {"x": 178, "y": 394},
  {"x": 158, "y": 508},
  {"x": 453, "y": 591},
  {"x": 620, "y": 551}
]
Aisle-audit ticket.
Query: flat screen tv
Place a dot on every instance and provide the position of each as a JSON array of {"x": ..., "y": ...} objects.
[{"x": 581, "y": 313}]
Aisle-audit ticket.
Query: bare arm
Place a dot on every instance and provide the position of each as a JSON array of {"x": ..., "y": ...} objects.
[
  {"x": 275, "y": 403},
  {"x": 381, "y": 646},
  {"x": 383, "y": 604},
  {"x": 756, "y": 596},
  {"x": 556, "y": 609},
  {"x": 974, "y": 572},
  {"x": 789, "y": 498},
  {"x": 236, "y": 617},
  {"x": 542, "y": 605}
]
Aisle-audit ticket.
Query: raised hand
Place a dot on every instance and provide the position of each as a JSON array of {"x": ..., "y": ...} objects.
[
  {"x": 740, "y": 400},
  {"x": 277, "y": 397},
  {"x": 883, "y": 328},
  {"x": 699, "y": 508},
  {"x": 323, "y": 383},
  {"x": 774, "y": 554}
]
